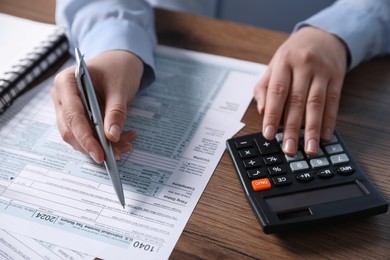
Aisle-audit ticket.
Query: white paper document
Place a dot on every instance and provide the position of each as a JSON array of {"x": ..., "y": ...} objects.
[
  {"x": 18, "y": 38},
  {"x": 51, "y": 193},
  {"x": 14, "y": 246}
]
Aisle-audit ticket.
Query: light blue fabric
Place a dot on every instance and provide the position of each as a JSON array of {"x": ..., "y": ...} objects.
[
  {"x": 96, "y": 26},
  {"x": 279, "y": 15},
  {"x": 364, "y": 26},
  {"x": 200, "y": 7}
]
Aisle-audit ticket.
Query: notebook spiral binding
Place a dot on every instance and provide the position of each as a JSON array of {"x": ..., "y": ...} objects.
[{"x": 20, "y": 77}]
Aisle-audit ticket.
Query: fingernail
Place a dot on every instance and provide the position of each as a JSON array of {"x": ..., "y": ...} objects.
[
  {"x": 269, "y": 132},
  {"x": 289, "y": 147},
  {"x": 115, "y": 131},
  {"x": 312, "y": 147},
  {"x": 94, "y": 157}
]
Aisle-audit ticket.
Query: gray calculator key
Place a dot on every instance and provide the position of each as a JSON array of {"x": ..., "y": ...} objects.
[
  {"x": 319, "y": 162},
  {"x": 332, "y": 141},
  {"x": 279, "y": 137},
  {"x": 319, "y": 154},
  {"x": 339, "y": 158},
  {"x": 297, "y": 157},
  {"x": 334, "y": 148},
  {"x": 299, "y": 166}
]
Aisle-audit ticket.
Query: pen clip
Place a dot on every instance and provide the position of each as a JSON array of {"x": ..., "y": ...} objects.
[{"x": 80, "y": 73}]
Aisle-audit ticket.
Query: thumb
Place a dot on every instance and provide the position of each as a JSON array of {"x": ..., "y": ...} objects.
[{"x": 115, "y": 117}]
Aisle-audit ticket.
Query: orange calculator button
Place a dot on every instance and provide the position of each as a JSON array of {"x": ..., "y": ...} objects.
[{"x": 261, "y": 184}]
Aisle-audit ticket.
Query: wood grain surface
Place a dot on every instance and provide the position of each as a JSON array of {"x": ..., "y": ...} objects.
[{"x": 222, "y": 225}]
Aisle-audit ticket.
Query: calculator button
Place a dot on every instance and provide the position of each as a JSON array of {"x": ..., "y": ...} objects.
[
  {"x": 319, "y": 162},
  {"x": 332, "y": 141},
  {"x": 277, "y": 170},
  {"x": 282, "y": 180},
  {"x": 252, "y": 163},
  {"x": 299, "y": 166},
  {"x": 297, "y": 157},
  {"x": 247, "y": 153},
  {"x": 304, "y": 176},
  {"x": 339, "y": 159},
  {"x": 244, "y": 144},
  {"x": 261, "y": 184},
  {"x": 345, "y": 170},
  {"x": 279, "y": 137},
  {"x": 257, "y": 173},
  {"x": 267, "y": 146},
  {"x": 274, "y": 159},
  {"x": 328, "y": 177},
  {"x": 334, "y": 148},
  {"x": 326, "y": 173},
  {"x": 319, "y": 154}
]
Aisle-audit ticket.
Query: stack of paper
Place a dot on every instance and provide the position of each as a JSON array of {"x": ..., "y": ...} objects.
[{"x": 51, "y": 193}]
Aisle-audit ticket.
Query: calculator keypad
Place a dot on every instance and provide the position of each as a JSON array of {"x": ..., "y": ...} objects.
[
  {"x": 290, "y": 192},
  {"x": 267, "y": 167}
]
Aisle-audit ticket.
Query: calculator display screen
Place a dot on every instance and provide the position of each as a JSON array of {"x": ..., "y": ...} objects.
[{"x": 314, "y": 197}]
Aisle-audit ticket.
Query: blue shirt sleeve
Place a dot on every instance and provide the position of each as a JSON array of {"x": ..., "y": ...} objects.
[
  {"x": 363, "y": 25},
  {"x": 96, "y": 26},
  {"x": 199, "y": 7}
]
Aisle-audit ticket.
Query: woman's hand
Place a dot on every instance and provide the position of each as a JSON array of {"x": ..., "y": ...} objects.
[
  {"x": 116, "y": 77},
  {"x": 303, "y": 84}
]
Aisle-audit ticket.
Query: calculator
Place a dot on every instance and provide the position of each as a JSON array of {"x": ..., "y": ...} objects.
[{"x": 290, "y": 192}]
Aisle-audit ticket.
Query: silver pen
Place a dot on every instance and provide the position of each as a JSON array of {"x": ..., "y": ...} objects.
[{"x": 93, "y": 110}]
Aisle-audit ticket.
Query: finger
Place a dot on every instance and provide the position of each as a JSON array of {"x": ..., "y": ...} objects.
[
  {"x": 331, "y": 109},
  {"x": 294, "y": 110},
  {"x": 115, "y": 115},
  {"x": 63, "y": 129},
  {"x": 277, "y": 92},
  {"x": 124, "y": 144},
  {"x": 314, "y": 110},
  {"x": 73, "y": 117},
  {"x": 260, "y": 91}
]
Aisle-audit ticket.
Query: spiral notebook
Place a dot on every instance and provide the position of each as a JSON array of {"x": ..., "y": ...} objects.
[{"x": 27, "y": 50}]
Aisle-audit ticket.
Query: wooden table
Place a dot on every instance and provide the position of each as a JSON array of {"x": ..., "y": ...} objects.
[{"x": 222, "y": 225}]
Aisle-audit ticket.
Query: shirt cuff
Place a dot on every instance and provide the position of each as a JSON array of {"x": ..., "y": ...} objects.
[
  {"x": 126, "y": 36},
  {"x": 359, "y": 30}
]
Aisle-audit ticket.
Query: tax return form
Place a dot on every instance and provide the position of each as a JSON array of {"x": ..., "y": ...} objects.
[
  {"x": 16, "y": 247},
  {"x": 51, "y": 193}
]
